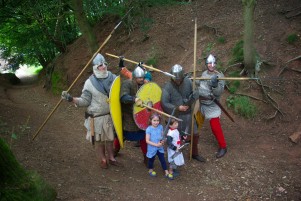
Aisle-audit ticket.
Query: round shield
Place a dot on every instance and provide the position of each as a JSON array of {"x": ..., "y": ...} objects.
[{"x": 150, "y": 94}]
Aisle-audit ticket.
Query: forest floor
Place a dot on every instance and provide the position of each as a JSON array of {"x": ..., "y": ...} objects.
[{"x": 262, "y": 163}]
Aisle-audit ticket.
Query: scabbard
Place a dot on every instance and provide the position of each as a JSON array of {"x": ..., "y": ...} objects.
[
  {"x": 223, "y": 109},
  {"x": 92, "y": 130}
]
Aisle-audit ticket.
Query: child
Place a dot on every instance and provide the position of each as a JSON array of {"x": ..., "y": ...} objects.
[
  {"x": 174, "y": 142},
  {"x": 155, "y": 145}
]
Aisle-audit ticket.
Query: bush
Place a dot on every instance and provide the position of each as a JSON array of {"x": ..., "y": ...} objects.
[{"x": 19, "y": 185}]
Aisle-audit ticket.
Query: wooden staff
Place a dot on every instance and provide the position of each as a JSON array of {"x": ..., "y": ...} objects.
[
  {"x": 146, "y": 66},
  {"x": 193, "y": 87},
  {"x": 225, "y": 78},
  {"x": 160, "y": 112},
  {"x": 87, "y": 65}
]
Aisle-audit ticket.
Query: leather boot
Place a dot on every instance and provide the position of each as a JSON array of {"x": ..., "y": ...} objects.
[
  {"x": 195, "y": 152},
  {"x": 221, "y": 152}
]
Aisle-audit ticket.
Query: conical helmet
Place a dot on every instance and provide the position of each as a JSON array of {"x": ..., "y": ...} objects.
[
  {"x": 138, "y": 72},
  {"x": 211, "y": 59},
  {"x": 178, "y": 71}
]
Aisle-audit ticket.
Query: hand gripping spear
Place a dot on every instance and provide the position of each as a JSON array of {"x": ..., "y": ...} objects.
[
  {"x": 146, "y": 66},
  {"x": 87, "y": 65}
]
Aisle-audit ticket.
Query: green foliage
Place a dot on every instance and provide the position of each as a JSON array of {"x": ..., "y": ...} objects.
[
  {"x": 221, "y": 40},
  {"x": 36, "y": 31},
  {"x": 242, "y": 106},
  {"x": 153, "y": 60},
  {"x": 18, "y": 184},
  {"x": 237, "y": 52},
  {"x": 208, "y": 49},
  {"x": 292, "y": 38},
  {"x": 57, "y": 82},
  {"x": 233, "y": 85}
]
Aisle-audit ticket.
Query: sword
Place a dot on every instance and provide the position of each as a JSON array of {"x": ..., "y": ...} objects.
[{"x": 178, "y": 152}]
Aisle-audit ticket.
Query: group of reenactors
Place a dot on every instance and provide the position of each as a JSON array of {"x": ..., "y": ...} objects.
[{"x": 178, "y": 98}]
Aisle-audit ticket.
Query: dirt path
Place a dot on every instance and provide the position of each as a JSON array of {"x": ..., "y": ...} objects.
[{"x": 262, "y": 164}]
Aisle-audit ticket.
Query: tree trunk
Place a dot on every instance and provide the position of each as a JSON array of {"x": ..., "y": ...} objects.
[
  {"x": 84, "y": 25},
  {"x": 249, "y": 50}
]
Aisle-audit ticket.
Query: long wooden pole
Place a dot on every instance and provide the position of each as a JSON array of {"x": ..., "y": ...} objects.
[
  {"x": 86, "y": 66},
  {"x": 226, "y": 78},
  {"x": 193, "y": 86},
  {"x": 160, "y": 112},
  {"x": 146, "y": 66}
]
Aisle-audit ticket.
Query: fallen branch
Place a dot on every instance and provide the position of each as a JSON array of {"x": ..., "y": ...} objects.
[
  {"x": 298, "y": 57},
  {"x": 216, "y": 31}
]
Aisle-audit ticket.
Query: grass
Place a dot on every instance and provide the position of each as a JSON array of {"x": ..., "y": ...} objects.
[
  {"x": 242, "y": 106},
  {"x": 57, "y": 83}
]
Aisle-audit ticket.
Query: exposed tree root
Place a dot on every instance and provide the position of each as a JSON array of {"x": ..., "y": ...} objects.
[
  {"x": 253, "y": 97},
  {"x": 270, "y": 100}
]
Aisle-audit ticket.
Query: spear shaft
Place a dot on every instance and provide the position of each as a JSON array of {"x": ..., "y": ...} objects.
[{"x": 146, "y": 66}]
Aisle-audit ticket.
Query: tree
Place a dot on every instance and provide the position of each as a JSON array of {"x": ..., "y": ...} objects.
[
  {"x": 248, "y": 47},
  {"x": 84, "y": 24}
]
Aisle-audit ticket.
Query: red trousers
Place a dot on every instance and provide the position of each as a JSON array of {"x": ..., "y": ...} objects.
[
  {"x": 143, "y": 145},
  {"x": 218, "y": 132}
]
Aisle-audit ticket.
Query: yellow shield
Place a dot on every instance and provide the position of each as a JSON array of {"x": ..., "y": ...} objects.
[
  {"x": 115, "y": 108},
  {"x": 150, "y": 93}
]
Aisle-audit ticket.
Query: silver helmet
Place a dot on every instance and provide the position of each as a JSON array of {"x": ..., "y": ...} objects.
[
  {"x": 178, "y": 72},
  {"x": 210, "y": 59},
  {"x": 99, "y": 60},
  {"x": 138, "y": 72}
]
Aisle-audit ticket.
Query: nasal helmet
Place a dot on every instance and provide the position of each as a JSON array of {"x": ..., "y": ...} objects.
[
  {"x": 139, "y": 72},
  {"x": 178, "y": 71},
  {"x": 99, "y": 60},
  {"x": 210, "y": 59}
]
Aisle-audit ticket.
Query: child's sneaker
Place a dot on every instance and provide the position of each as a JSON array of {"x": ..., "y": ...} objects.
[
  {"x": 169, "y": 176},
  {"x": 152, "y": 173},
  {"x": 176, "y": 173}
]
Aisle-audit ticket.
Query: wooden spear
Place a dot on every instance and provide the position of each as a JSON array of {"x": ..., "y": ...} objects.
[
  {"x": 160, "y": 112},
  {"x": 87, "y": 65},
  {"x": 225, "y": 78},
  {"x": 146, "y": 66},
  {"x": 193, "y": 86}
]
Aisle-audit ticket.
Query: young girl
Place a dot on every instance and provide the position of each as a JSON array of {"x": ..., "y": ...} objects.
[
  {"x": 155, "y": 145},
  {"x": 173, "y": 143}
]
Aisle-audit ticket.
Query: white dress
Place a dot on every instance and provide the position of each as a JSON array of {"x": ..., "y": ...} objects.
[{"x": 176, "y": 141}]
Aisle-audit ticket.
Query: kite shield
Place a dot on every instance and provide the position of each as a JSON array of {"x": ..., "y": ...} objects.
[
  {"x": 150, "y": 94},
  {"x": 115, "y": 108}
]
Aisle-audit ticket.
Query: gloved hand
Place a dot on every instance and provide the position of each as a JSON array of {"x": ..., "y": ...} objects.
[
  {"x": 121, "y": 62},
  {"x": 65, "y": 95},
  {"x": 214, "y": 81},
  {"x": 138, "y": 102}
]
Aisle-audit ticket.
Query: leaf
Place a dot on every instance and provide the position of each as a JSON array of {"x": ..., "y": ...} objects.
[{"x": 14, "y": 136}]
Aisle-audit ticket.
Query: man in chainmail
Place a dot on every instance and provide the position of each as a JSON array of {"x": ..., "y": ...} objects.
[
  {"x": 98, "y": 119},
  {"x": 131, "y": 132},
  {"x": 177, "y": 95},
  {"x": 210, "y": 91}
]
